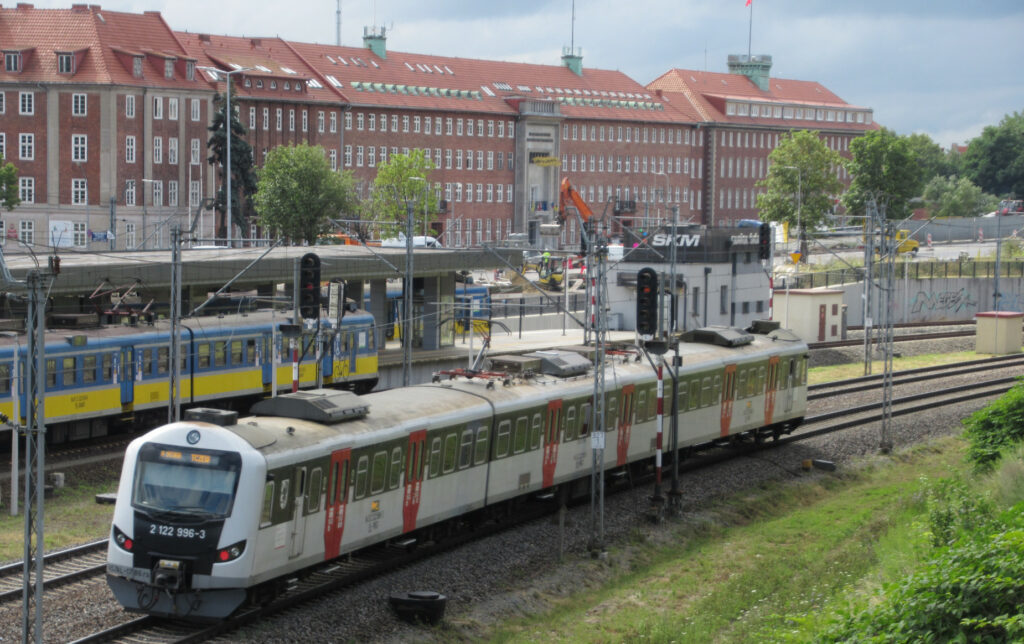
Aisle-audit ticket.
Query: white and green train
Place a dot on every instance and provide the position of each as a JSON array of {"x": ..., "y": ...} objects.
[{"x": 216, "y": 510}]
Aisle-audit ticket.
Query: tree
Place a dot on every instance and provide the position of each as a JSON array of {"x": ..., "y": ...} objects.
[
  {"x": 885, "y": 170},
  {"x": 956, "y": 197},
  {"x": 298, "y": 193},
  {"x": 995, "y": 160},
  {"x": 933, "y": 161},
  {"x": 243, "y": 176},
  {"x": 401, "y": 183},
  {"x": 9, "y": 197},
  {"x": 801, "y": 181}
]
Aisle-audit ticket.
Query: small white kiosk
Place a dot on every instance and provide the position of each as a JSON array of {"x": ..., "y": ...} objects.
[
  {"x": 999, "y": 332},
  {"x": 816, "y": 315}
]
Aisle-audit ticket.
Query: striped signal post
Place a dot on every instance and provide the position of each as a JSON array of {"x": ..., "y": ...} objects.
[{"x": 661, "y": 425}]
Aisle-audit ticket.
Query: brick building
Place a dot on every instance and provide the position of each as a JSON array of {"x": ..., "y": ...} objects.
[{"x": 105, "y": 114}]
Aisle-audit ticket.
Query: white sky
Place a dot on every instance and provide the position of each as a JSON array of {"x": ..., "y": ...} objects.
[{"x": 943, "y": 67}]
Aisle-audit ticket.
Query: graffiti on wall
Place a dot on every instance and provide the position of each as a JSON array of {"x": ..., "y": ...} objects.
[{"x": 943, "y": 301}]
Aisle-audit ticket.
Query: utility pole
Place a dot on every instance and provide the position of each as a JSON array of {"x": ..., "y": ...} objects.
[
  {"x": 869, "y": 277},
  {"x": 174, "y": 408},
  {"x": 887, "y": 330},
  {"x": 597, "y": 250}
]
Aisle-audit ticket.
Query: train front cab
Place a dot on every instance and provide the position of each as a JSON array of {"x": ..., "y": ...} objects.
[{"x": 180, "y": 543}]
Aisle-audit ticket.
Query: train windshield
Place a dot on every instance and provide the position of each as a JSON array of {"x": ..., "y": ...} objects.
[{"x": 185, "y": 480}]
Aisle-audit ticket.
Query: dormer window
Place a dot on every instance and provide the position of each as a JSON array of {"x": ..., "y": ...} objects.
[
  {"x": 190, "y": 70},
  {"x": 273, "y": 84},
  {"x": 12, "y": 61},
  {"x": 248, "y": 82},
  {"x": 65, "y": 64},
  {"x": 137, "y": 66},
  {"x": 259, "y": 84},
  {"x": 287, "y": 85},
  {"x": 168, "y": 68}
]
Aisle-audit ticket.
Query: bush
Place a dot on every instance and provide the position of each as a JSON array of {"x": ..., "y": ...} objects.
[
  {"x": 973, "y": 592},
  {"x": 997, "y": 426},
  {"x": 954, "y": 511}
]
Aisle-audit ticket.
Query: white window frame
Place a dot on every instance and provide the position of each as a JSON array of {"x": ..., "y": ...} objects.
[
  {"x": 26, "y": 103},
  {"x": 79, "y": 104},
  {"x": 79, "y": 192},
  {"x": 27, "y": 189},
  {"x": 172, "y": 109},
  {"x": 26, "y": 146},
  {"x": 158, "y": 108},
  {"x": 79, "y": 148}
]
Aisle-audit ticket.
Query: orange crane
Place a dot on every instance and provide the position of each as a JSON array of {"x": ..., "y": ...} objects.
[{"x": 568, "y": 194}]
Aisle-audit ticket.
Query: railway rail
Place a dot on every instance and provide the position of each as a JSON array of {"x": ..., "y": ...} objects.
[
  {"x": 379, "y": 559},
  {"x": 857, "y": 342},
  {"x": 59, "y": 568}
]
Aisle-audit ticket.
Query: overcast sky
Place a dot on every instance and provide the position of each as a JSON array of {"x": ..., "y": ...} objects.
[{"x": 943, "y": 67}]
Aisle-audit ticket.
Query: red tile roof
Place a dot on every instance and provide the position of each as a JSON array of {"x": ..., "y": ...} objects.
[{"x": 100, "y": 36}]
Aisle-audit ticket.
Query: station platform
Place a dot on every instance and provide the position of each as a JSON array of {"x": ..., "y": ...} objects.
[{"x": 426, "y": 363}]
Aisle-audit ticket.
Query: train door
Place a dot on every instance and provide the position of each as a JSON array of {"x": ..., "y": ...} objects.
[
  {"x": 552, "y": 437},
  {"x": 337, "y": 502},
  {"x": 625, "y": 421},
  {"x": 728, "y": 395},
  {"x": 127, "y": 378},
  {"x": 265, "y": 359},
  {"x": 298, "y": 513},
  {"x": 413, "y": 479},
  {"x": 790, "y": 376},
  {"x": 821, "y": 323},
  {"x": 770, "y": 386}
]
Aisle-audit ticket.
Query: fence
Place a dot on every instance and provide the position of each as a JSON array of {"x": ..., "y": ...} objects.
[{"x": 961, "y": 268}]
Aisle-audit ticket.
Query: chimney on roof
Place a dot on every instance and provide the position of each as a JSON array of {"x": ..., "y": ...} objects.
[
  {"x": 573, "y": 59},
  {"x": 755, "y": 68},
  {"x": 79, "y": 8},
  {"x": 204, "y": 37},
  {"x": 25, "y": 5},
  {"x": 256, "y": 42},
  {"x": 375, "y": 39}
]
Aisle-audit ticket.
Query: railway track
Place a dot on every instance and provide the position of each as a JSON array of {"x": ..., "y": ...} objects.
[
  {"x": 59, "y": 568},
  {"x": 911, "y": 376},
  {"x": 857, "y": 342}
]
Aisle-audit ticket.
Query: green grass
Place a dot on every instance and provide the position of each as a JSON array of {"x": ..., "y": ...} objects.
[
  {"x": 818, "y": 375},
  {"x": 70, "y": 516},
  {"x": 767, "y": 567}
]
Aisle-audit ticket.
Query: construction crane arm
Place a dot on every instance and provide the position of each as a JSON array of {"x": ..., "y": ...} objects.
[{"x": 568, "y": 195}]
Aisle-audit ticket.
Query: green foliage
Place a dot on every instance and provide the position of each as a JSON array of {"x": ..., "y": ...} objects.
[
  {"x": 243, "y": 174},
  {"x": 971, "y": 592},
  {"x": 995, "y": 160},
  {"x": 995, "y": 427},
  {"x": 800, "y": 175},
  {"x": 954, "y": 510},
  {"x": 885, "y": 170},
  {"x": 929, "y": 155},
  {"x": 9, "y": 197},
  {"x": 402, "y": 183},
  {"x": 298, "y": 193},
  {"x": 957, "y": 197}
]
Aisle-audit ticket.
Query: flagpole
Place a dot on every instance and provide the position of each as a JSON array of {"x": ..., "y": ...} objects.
[{"x": 750, "y": 28}]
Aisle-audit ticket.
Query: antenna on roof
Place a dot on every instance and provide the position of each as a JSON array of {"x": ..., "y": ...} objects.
[
  {"x": 750, "y": 27},
  {"x": 572, "y": 28},
  {"x": 337, "y": 26}
]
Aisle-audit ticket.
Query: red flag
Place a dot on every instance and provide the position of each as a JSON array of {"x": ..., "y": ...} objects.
[{"x": 748, "y": 3}]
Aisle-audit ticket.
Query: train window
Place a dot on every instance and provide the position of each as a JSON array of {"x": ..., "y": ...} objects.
[
  {"x": 570, "y": 423},
  {"x": 466, "y": 448},
  {"x": 342, "y": 484},
  {"x": 163, "y": 359},
  {"x": 219, "y": 353},
  {"x": 716, "y": 389},
  {"x": 332, "y": 484},
  {"x": 759, "y": 388},
  {"x": 450, "y": 451},
  {"x": 585, "y": 417},
  {"x": 705, "y": 392},
  {"x": 378, "y": 473},
  {"x": 535, "y": 431},
  {"x": 300, "y": 476},
  {"x": 755, "y": 381},
  {"x": 313, "y": 498},
  {"x": 236, "y": 352},
  {"x": 741, "y": 383},
  {"x": 641, "y": 405},
  {"x": 519, "y": 440},
  {"x": 396, "y": 468},
  {"x": 5, "y": 378},
  {"x": 694, "y": 397},
  {"x": 480, "y": 454},
  {"x": 362, "y": 467},
  {"x": 681, "y": 405},
  {"x": 435, "y": 457},
  {"x": 68, "y": 372},
  {"x": 371, "y": 342},
  {"x": 108, "y": 367},
  {"x": 504, "y": 430},
  {"x": 88, "y": 368},
  {"x": 803, "y": 370},
  {"x": 250, "y": 351},
  {"x": 611, "y": 415},
  {"x": 204, "y": 355},
  {"x": 268, "y": 504}
]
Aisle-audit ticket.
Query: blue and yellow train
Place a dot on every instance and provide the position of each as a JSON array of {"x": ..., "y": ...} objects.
[{"x": 101, "y": 380}]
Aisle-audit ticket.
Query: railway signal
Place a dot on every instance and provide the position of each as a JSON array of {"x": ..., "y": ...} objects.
[
  {"x": 764, "y": 241},
  {"x": 309, "y": 286},
  {"x": 647, "y": 302}
]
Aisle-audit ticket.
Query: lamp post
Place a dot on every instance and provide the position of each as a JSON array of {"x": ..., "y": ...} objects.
[
  {"x": 799, "y": 208},
  {"x": 228, "y": 116}
]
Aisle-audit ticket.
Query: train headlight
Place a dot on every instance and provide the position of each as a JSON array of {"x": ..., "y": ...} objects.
[
  {"x": 230, "y": 553},
  {"x": 122, "y": 540}
]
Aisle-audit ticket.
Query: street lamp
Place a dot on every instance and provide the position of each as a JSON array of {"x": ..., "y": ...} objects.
[
  {"x": 799, "y": 207},
  {"x": 227, "y": 133}
]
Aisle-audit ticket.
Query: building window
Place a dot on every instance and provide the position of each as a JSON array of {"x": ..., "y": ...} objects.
[
  {"x": 458, "y": 127},
  {"x": 359, "y": 156},
  {"x": 405, "y": 123},
  {"x": 78, "y": 234},
  {"x": 78, "y": 105},
  {"x": 26, "y": 103},
  {"x": 348, "y": 121},
  {"x": 158, "y": 149},
  {"x": 168, "y": 68},
  {"x": 172, "y": 109},
  {"x": 334, "y": 122},
  {"x": 305, "y": 121},
  {"x": 190, "y": 70},
  {"x": 172, "y": 193},
  {"x": 65, "y": 64},
  {"x": 172, "y": 150},
  {"x": 195, "y": 151},
  {"x": 129, "y": 149},
  {"x": 348, "y": 156},
  {"x": 371, "y": 158},
  {"x": 334, "y": 160},
  {"x": 266, "y": 118},
  {"x": 26, "y": 232},
  {"x": 129, "y": 192},
  {"x": 252, "y": 118},
  {"x": 158, "y": 107},
  {"x": 278, "y": 119},
  {"x": 137, "y": 66},
  {"x": 320, "y": 122},
  {"x": 27, "y": 189},
  {"x": 158, "y": 192},
  {"x": 79, "y": 192},
  {"x": 129, "y": 235},
  {"x": 79, "y": 148},
  {"x": 27, "y": 147},
  {"x": 12, "y": 61},
  {"x": 194, "y": 191}
]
